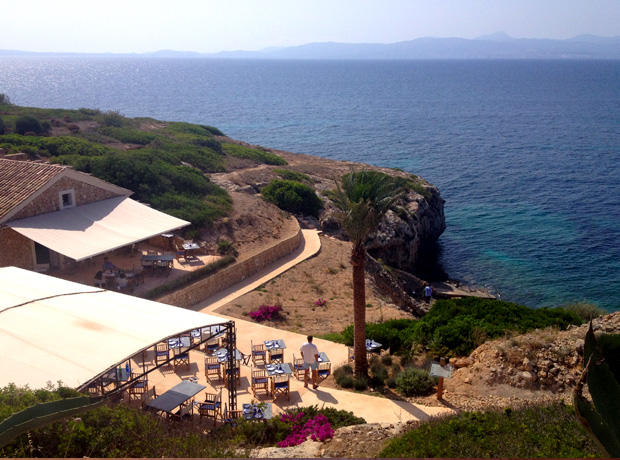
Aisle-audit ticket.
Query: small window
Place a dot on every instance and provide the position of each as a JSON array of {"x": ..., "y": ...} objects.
[{"x": 67, "y": 199}]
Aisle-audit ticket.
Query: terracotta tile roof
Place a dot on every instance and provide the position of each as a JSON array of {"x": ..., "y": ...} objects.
[{"x": 20, "y": 179}]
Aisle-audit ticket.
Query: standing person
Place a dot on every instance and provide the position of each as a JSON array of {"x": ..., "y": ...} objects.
[
  {"x": 428, "y": 292},
  {"x": 310, "y": 354}
]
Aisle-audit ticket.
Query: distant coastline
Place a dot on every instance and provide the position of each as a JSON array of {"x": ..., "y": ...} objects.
[{"x": 494, "y": 46}]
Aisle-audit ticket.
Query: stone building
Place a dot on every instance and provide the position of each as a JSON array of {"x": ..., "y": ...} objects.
[{"x": 51, "y": 215}]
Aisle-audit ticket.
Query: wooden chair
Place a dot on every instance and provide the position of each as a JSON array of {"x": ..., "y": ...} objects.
[
  {"x": 180, "y": 254},
  {"x": 298, "y": 368},
  {"x": 139, "y": 387},
  {"x": 162, "y": 352},
  {"x": 231, "y": 416},
  {"x": 258, "y": 354},
  {"x": 245, "y": 359},
  {"x": 148, "y": 396},
  {"x": 281, "y": 384},
  {"x": 212, "y": 368},
  {"x": 185, "y": 412},
  {"x": 180, "y": 358},
  {"x": 260, "y": 380},
  {"x": 163, "y": 267},
  {"x": 99, "y": 281},
  {"x": 325, "y": 370},
  {"x": 276, "y": 356},
  {"x": 211, "y": 407},
  {"x": 212, "y": 346},
  {"x": 235, "y": 373}
]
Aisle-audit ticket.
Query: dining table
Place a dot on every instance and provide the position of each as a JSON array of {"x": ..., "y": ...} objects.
[
  {"x": 222, "y": 355},
  {"x": 279, "y": 369},
  {"x": 257, "y": 412},
  {"x": 175, "y": 396},
  {"x": 179, "y": 342},
  {"x": 274, "y": 344},
  {"x": 372, "y": 346},
  {"x": 323, "y": 357},
  {"x": 150, "y": 260},
  {"x": 191, "y": 249}
]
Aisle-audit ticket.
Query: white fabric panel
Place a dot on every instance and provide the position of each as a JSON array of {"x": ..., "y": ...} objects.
[
  {"x": 80, "y": 332},
  {"x": 93, "y": 229}
]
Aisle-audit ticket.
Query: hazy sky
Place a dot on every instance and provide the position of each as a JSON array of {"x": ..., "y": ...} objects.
[{"x": 216, "y": 25}]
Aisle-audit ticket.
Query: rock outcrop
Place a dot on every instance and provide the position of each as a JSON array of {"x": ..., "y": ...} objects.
[{"x": 403, "y": 236}]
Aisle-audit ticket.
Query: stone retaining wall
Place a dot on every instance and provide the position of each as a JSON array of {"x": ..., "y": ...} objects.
[{"x": 230, "y": 275}]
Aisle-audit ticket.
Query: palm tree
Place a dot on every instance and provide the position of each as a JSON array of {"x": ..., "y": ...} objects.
[{"x": 362, "y": 201}]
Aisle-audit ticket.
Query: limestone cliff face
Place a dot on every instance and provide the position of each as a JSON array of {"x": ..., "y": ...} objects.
[{"x": 417, "y": 221}]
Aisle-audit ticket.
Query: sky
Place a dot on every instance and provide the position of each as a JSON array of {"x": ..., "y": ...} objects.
[{"x": 208, "y": 26}]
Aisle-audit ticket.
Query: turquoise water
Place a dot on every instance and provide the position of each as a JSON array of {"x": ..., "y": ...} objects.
[{"x": 526, "y": 153}]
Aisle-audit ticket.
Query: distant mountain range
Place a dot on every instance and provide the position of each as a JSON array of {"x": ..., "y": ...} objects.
[{"x": 495, "y": 46}]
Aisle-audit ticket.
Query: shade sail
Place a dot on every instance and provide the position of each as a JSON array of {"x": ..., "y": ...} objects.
[
  {"x": 52, "y": 329},
  {"x": 93, "y": 229}
]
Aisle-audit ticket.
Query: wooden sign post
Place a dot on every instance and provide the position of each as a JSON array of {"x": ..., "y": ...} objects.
[
  {"x": 442, "y": 363},
  {"x": 441, "y": 371}
]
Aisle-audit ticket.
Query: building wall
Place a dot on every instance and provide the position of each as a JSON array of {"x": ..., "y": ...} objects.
[
  {"x": 230, "y": 275},
  {"x": 15, "y": 249},
  {"x": 49, "y": 200}
]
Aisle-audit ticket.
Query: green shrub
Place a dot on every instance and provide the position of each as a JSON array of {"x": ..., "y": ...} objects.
[
  {"x": 396, "y": 369},
  {"x": 225, "y": 247},
  {"x": 258, "y": 155},
  {"x": 128, "y": 135},
  {"x": 344, "y": 376},
  {"x": 111, "y": 118},
  {"x": 213, "y": 130},
  {"x": 289, "y": 174},
  {"x": 28, "y": 123},
  {"x": 391, "y": 382},
  {"x": 414, "y": 382},
  {"x": 293, "y": 197},
  {"x": 360, "y": 383},
  {"x": 379, "y": 375},
  {"x": 586, "y": 311},
  {"x": 66, "y": 146},
  {"x": 2, "y": 127},
  {"x": 457, "y": 326},
  {"x": 4, "y": 99},
  {"x": 550, "y": 431},
  {"x": 386, "y": 360},
  {"x": 90, "y": 112}
]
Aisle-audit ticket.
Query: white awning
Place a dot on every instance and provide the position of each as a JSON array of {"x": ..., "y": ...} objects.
[
  {"x": 93, "y": 229},
  {"x": 52, "y": 329}
]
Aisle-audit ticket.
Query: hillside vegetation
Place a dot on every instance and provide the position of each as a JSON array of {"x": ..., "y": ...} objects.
[{"x": 165, "y": 164}]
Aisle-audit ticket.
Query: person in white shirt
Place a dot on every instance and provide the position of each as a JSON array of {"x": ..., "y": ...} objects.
[
  {"x": 428, "y": 292},
  {"x": 310, "y": 354}
]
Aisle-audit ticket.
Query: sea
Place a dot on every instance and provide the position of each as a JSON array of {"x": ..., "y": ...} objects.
[{"x": 526, "y": 153}]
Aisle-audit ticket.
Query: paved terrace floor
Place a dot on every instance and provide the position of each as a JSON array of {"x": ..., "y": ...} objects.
[{"x": 373, "y": 409}]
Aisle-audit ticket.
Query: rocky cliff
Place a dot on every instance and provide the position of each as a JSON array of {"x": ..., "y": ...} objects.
[{"x": 417, "y": 221}]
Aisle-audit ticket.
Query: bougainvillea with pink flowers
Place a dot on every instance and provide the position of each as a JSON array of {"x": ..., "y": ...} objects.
[
  {"x": 318, "y": 428},
  {"x": 265, "y": 312}
]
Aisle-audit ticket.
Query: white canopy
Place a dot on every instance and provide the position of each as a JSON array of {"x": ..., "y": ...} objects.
[
  {"x": 52, "y": 329},
  {"x": 93, "y": 229}
]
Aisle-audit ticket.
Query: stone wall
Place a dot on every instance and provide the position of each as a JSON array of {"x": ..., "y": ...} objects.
[
  {"x": 230, "y": 275},
  {"x": 15, "y": 249},
  {"x": 49, "y": 200}
]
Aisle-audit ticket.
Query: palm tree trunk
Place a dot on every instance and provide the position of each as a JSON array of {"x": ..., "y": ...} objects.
[{"x": 358, "y": 259}]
